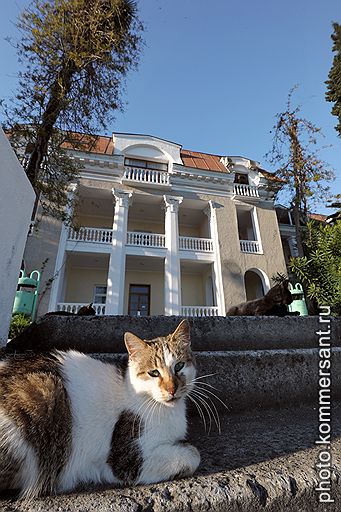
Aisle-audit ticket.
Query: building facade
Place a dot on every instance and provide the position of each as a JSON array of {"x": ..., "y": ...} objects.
[{"x": 160, "y": 230}]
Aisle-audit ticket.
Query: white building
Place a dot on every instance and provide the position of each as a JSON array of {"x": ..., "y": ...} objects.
[{"x": 162, "y": 230}]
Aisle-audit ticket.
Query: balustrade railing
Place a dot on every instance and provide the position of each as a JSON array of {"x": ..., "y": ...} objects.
[
  {"x": 241, "y": 189},
  {"x": 147, "y": 176},
  {"x": 199, "y": 310},
  {"x": 94, "y": 235},
  {"x": 250, "y": 246},
  {"x": 191, "y": 243},
  {"x": 74, "y": 307},
  {"x": 139, "y": 239}
]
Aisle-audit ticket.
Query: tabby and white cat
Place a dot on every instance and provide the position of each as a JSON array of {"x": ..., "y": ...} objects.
[{"x": 68, "y": 419}]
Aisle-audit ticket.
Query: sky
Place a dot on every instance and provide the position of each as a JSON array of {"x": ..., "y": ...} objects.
[{"x": 213, "y": 75}]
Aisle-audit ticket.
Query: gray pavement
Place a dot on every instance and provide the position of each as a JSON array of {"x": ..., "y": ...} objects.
[{"x": 262, "y": 460}]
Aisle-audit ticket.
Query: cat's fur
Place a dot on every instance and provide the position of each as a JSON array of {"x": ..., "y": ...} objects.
[
  {"x": 270, "y": 304},
  {"x": 68, "y": 419}
]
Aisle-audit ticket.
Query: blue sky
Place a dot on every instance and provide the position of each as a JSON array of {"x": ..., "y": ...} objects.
[{"x": 214, "y": 74}]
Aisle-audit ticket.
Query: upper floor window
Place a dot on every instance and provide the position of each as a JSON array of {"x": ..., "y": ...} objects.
[
  {"x": 146, "y": 164},
  {"x": 241, "y": 178}
]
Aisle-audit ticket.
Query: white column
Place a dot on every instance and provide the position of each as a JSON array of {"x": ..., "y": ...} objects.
[
  {"x": 217, "y": 274},
  {"x": 117, "y": 263},
  {"x": 172, "y": 260},
  {"x": 57, "y": 286}
]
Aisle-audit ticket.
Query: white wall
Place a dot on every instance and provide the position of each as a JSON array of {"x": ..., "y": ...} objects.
[{"x": 16, "y": 204}]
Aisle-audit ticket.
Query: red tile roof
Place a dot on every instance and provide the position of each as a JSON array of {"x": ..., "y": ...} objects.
[
  {"x": 99, "y": 144},
  {"x": 202, "y": 161},
  {"x": 317, "y": 216}
]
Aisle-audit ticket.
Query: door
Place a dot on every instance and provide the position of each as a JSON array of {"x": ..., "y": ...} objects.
[{"x": 139, "y": 300}]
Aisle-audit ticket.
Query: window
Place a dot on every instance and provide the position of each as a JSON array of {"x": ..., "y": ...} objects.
[
  {"x": 146, "y": 164},
  {"x": 100, "y": 294},
  {"x": 241, "y": 178},
  {"x": 245, "y": 225},
  {"x": 139, "y": 300}
]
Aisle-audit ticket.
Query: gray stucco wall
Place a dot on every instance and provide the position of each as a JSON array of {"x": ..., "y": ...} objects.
[{"x": 16, "y": 204}]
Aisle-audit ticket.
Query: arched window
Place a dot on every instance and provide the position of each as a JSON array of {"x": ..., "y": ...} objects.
[{"x": 256, "y": 284}]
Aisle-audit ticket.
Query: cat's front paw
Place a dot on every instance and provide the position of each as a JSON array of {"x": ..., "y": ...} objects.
[{"x": 190, "y": 461}]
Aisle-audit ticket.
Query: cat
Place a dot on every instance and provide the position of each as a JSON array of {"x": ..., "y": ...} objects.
[
  {"x": 273, "y": 303},
  {"x": 67, "y": 419}
]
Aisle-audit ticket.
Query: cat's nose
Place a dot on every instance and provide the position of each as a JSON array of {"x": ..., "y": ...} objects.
[{"x": 171, "y": 388}]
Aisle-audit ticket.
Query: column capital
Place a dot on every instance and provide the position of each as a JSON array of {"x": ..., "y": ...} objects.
[
  {"x": 172, "y": 203},
  {"x": 122, "y": 197},
  {"x": 212, "y": 205}
]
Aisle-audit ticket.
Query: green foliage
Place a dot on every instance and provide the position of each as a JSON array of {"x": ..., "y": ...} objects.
[
  {"x": 75, "y": 55},
  {"x": 279, "y": 278},
  {"x": 19, "y": 323},
  {"x": 320, "y": 268},
  {"x": 333, "y": 93}
]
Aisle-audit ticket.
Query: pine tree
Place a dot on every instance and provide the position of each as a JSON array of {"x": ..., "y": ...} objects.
[
  {"x": 75, "y": 55},
  {"x": 333, "y": 93}
]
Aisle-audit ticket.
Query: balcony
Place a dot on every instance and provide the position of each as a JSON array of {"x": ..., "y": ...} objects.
[
  {"x": 146, "y": 177},
  {"x": 199, "y": 311},
  {"x": 91, "y": 235},
  {"x": 190, "y": 311},
  {"x": 138, "y": 239},
  {"x": 74, "y": 307},
  {"x": 240, "y": 189},
  {"x": 250, "y": 246},
  {"x": 191, "y": 243}
]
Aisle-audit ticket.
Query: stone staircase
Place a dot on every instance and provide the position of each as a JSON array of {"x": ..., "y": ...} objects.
[{"x": 265, "y": 370}]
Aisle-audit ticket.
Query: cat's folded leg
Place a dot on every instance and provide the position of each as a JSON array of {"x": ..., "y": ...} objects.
[{"x": 169, "y": 461}]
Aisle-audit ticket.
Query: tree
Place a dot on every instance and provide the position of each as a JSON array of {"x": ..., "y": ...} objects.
[
  {"x": 302, "y": 174},
  {"x": 320, "y": 268},
  {"x": 333, "y": 93},
  {"x": 75, "y": 56}
]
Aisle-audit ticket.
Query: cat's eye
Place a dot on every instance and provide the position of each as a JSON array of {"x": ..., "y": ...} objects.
[
  {"x": 154, "y": 373},
  {"x": 179, "y": 366}
]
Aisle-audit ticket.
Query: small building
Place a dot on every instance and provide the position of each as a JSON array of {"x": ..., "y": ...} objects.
[{"x": 160, "y": 230}]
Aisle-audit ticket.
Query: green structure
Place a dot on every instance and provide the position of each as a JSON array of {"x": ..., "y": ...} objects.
[
  {"x": 27, "y": 294},
  {"x": 298, "y": 304}
]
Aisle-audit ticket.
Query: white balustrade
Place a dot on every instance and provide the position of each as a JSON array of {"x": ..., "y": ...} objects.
[
  {"x": 147, "y": 176},
  {"x": 199, "y": 310},
  {"x": 139, "y": 239},
  {"x": 249, "y": 246},
  {"x": 93, "y": 235},
  {"x": 241, "y": 189},
  {"x": 191, "y": 243},
  {"x": 74, "y": 307}
]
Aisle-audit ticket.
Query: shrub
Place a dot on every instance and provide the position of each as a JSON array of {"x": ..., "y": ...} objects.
[{"x": 19, "y": 322}]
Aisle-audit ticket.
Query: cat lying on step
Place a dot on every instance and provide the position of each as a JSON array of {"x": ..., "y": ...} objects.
[
  {"x": 274, "y": 303},
  {"x": 68, "y": 419}
]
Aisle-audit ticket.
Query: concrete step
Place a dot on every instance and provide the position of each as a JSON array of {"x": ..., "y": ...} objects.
[
  {"x": 105, "y": 334},
  {"x": 264, "y": 460},
  {"x": 250, "y": 379}
]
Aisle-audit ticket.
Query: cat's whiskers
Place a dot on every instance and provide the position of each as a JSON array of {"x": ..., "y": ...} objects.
[
  {"x": 208, "y": 412},
  {"x": 201, "y": 414},
  {"x": 211, "y": 393},
  {"x": 214, "y": 412},
  {"x": 137, "y": 414}
]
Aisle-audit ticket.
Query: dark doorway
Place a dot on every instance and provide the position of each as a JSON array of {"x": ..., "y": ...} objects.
[{"x": 139, "y": 300}]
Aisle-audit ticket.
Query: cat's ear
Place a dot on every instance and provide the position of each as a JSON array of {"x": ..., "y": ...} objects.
[
  {"x": 182, "y": 333},
  {"x": 134, "y": 345},
  {"x": 285, "y": 283}
]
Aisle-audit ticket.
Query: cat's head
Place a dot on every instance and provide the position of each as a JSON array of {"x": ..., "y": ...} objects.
[
  {"x": 280, "y": 293},
  {"x": 162, "y": 368}
]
